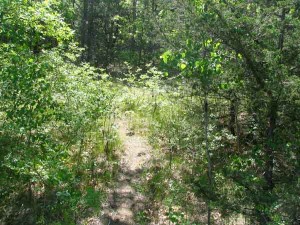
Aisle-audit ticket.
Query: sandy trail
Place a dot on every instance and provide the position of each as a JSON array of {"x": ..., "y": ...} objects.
[{"x": 124, "y": 202}]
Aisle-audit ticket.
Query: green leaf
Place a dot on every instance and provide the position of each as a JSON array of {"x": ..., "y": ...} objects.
[
  {"x": 224, "y": 86},
  {"x": 188, "y": 43},
  {"x": 197, "y": 64},
  {"x": 182, "y": 66},
  {"x": 165, "y": 56}
]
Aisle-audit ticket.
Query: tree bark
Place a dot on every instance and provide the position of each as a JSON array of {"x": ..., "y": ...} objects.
[
  {"x": 232, "y": 117},
  {"x": 84, "y": 23},
  {"x": 209, "y": 166},
  {"x": 268, "y": 175},
  {"x": 134, "y": 17},
  {"x": 90, "y": 31}
]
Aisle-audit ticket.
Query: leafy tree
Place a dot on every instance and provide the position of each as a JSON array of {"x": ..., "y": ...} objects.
[{"x": 50, "y": 108}]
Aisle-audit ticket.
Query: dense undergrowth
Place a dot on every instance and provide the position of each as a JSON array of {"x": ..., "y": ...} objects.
[
  {"x": 57, "y": 138},
  {"x": 220, "y": 106},
  {"x": 171, "y": 113}
]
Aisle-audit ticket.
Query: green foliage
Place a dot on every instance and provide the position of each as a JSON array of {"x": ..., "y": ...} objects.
[
  {"x": 93, "y": 198},
  {"x": 176, "y": 127},
  {"x": 51, "y": 111},
  {"x": 142, "y": 218},
  {"x": 220, "y": 105}
]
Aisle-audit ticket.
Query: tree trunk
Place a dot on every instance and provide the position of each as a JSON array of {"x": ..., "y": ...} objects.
[
  {"x": 209, "y": 167},
  {"x": 232, "y": 117},
  {"x": 84, "y": 23},
  {"x": 134, "y": 16},
  {"x": 272, "y": 116},
  {"x": 268, "y": 175},
  {"x": 90, "y": 32}
]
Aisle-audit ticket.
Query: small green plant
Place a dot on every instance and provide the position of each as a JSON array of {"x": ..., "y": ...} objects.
[{"x": 142, "y": 218}]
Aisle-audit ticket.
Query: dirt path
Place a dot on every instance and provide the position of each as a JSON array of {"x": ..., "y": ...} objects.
[{"x": 124, "y": 202}]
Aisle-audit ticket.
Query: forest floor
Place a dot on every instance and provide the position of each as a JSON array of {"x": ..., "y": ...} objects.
[{"x": 124, "y": 202}]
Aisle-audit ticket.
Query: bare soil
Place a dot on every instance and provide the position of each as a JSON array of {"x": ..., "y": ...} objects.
[{"x": 124, "y": 202}]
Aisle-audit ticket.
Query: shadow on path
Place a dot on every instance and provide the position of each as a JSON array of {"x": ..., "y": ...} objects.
[{"x": 124, "y": 201}]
